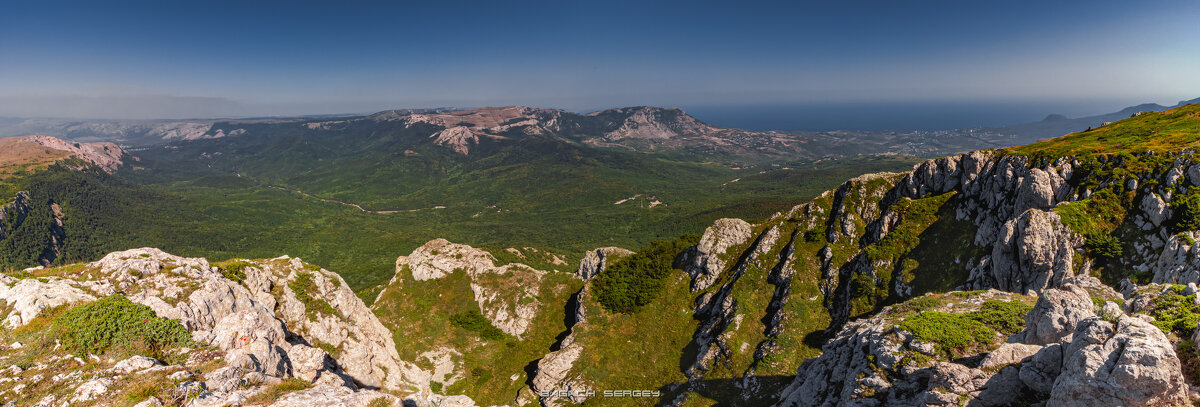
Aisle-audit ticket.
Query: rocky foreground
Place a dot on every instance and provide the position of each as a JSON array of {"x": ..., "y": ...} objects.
[{"x": 277, "y": 332}]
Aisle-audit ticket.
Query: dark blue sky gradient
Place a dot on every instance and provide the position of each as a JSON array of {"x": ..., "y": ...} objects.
[{"x": 212, "y": 58}]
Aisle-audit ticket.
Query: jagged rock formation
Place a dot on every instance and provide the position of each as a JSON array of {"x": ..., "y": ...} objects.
[
  {"x": 274, "y": 320},
  {"x": 1067, "y": 355},
  {"x": 594, "y": 261},
  {"x": 507, "y": 295},
  {"x": 1033, "y": 252},
  {"x": 705, "y": 262},
  {"x": 13, "y": 214}
]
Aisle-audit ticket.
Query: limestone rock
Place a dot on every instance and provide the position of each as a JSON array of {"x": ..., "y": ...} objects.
[
  {"x": 1179, "y": 261},
  {"x": 225, "y": 379},
  {"x": 595, "y": 261},
  {"x": 1035, "y": 251},
  {"x": 327, "y": 395},
  {"x": 91, "y": 389},
  {"x": 29, "y": 297},
  {"x": 308, "y": 362},
  {"x": 704, "y": 262},
  {"x": 552, "y": 374},
  {"x": 1008, "y": 354},
  {"x": 135, "y": 364},
  {"x": 1129, "y": 363},
  {"x": 1156, "y": 210},
  {"x": 1055, "y": 315}
]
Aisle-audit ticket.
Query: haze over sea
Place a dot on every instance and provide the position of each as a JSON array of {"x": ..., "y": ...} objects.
[{"x": 897, "y": 115}]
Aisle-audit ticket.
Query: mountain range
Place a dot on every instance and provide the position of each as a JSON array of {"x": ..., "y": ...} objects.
[{"x": 520, "y": 256}]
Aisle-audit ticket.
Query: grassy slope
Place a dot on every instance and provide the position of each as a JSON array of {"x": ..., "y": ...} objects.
[{"x": 1163, "y": 132}]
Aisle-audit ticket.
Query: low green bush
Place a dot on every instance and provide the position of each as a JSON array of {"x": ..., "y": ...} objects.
[
  {"x": 632, "y": 282},
  {"x": 1185, "y": 213},
  {"x": 474, "y": 321},
  {"x": 955, "y": 334},
  {"x": 114, "y": 323},
  {"x": 1175, "y": 312},
  {"x": 303, "y": 286},
  {"x": 235, "y": 271}
]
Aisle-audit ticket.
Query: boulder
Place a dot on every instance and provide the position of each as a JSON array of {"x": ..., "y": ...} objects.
[
  {"x": 29, "y": 297},
  {"x": 1129, "y": 363},
  {"x": 1033, "y": 252},
  {"x": 1055, "y": 315}
]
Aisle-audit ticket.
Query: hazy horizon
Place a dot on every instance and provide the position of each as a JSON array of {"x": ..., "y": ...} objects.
[{"x": 155, "y": 60}]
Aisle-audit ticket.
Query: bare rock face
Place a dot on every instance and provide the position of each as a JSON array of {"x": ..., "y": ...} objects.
[
  {"x": 704, "y": 262},
  {"x": 507, "y": 309},
  {"x": 1055, "y": 315},
  {"x": 871, "y": 362},
  {"x": 329, "y": 395},
  {"x": 552, "y": 375},
  {"x": 1179, "y": 261},
  {"x": 595, "y": 261},
  {"x": 29, "y": 297},
  {"x": 1156, "y": 210},
  {"x": 1033, "y": 252},
  {"x": 261, "y": 321},
  {"x": 458, "y": 138},
  {"x": 1127, "y": 363},
  {"x": 107, "y": 156}
]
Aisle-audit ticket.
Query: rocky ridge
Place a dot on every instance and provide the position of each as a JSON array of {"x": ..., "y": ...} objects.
[
  {"x": 259, "y": 323},
  {"x": 507, "y": 295}
]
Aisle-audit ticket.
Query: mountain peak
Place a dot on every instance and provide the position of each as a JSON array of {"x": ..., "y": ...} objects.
[{"x": 37, "y": 150}]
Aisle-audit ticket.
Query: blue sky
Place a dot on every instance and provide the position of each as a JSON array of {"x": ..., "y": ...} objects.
[{"x": 213, "y": 58}]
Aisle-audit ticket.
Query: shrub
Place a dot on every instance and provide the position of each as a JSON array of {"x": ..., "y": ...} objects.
[
  {"x": 303, "y": 286},
  {"x": 953, "y": 334},
  {"x": 1103, "y": 245},
  {"x": 115, "y": 323},
  {"x": 473, "y": 321},
  {"x": 632, "y": 282},
  {"x": 1186, "y": 214},
  {"x": 1174, "y": 312},
  {"x": 1006, "y": 317},
  {"x": 235, "y": 271}
]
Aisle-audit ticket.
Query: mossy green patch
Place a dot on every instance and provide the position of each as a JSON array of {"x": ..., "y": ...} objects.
[
  {"x": 304, "y": 288},
  {"x": 955, "y": 335},
  {"x": 1175, "y": 313},
  {"x": 474, "y": 321}
]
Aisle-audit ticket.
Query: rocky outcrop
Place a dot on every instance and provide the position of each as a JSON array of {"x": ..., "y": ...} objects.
[
  {"x": 1066, "y": 356},
  {"x": 1033, "y": 252},
  {"x": 26, "y": 298},
  {"x": 58, "y": 236},
  {"x": 554, "y": 375},
  {"x": 706, "y": 261},
  {"x": 594, "y": 261},
  {"x": 1055, "y": 316},
  {"x": 1179, "y": 261},
  {"x": 872, "y": 362},
  {"x": 267, "y": 323},
  {"x": 1124, "y": 363},
  {"x": 106, "y": 156},
  {"x": 717, "y": 311},
  {"x": 13, "y": 214},
  {"x": 507, "y": 295}
]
